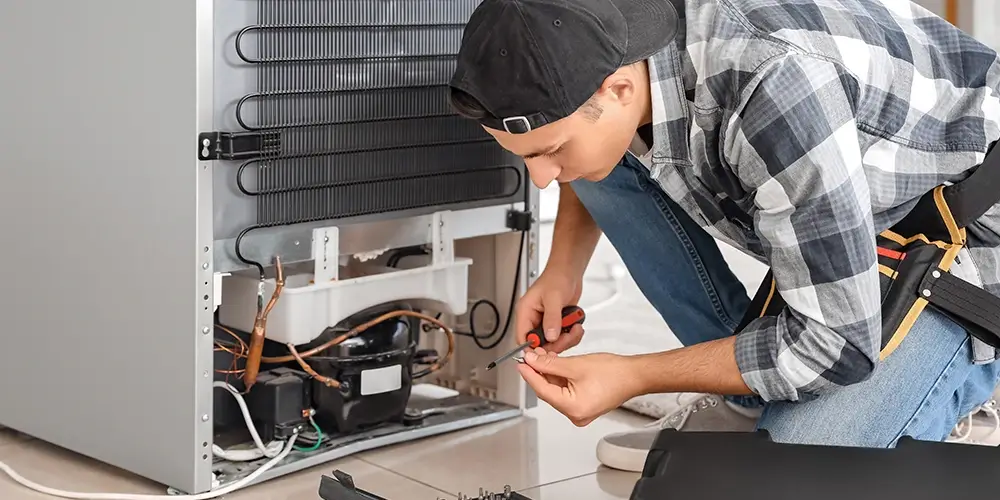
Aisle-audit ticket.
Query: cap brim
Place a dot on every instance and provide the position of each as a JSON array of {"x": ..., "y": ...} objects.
[{"x": 652, "y": 25}]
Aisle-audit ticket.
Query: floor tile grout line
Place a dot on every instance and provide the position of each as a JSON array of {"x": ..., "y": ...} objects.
[
  {"x": 404, "y": 476},
  {"x": 550, "y": 483}
]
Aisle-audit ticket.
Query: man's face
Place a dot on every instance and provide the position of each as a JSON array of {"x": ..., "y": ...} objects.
[{"x": 585, "y": 145}]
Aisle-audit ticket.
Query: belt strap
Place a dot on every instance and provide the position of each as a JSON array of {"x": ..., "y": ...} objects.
[
  {"x": 970, "y": 306},
  {"x": 971, "y": 198}
]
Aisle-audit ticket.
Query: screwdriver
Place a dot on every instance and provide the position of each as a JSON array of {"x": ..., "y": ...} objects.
[{"x": 571, "y": 316}]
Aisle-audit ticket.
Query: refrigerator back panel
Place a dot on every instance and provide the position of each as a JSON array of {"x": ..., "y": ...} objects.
[{"x": 355, "y": 92}]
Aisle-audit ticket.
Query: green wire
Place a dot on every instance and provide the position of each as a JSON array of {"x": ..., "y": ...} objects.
[{"x": 319, "y": 440}]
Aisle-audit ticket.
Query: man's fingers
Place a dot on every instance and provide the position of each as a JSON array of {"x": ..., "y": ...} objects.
[
  {"x": 566, "y": 341},
  {"x": 552, "y": 317},
  {"x": 550, "y": 364},
  {"x": 546, "y": 390},
  {"x": 528, "y": 315}
]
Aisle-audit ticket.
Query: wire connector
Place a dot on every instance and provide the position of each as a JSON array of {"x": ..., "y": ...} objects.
[{"x": 520, "y": 220}]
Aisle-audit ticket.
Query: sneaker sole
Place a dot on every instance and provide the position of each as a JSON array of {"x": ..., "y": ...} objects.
[{"x": 620, "y": 458}]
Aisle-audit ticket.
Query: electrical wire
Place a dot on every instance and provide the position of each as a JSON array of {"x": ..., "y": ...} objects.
[
  {"x": 513, "y": 299},
  {"x": 75, "y": 495},
  {"x": 618, "y": 277},
  {"x": 472, "y": 320},
  {"x": 265, "y": 450},
  {"x": 319, "y": 439},
  {"x": 398, "y": 255}
]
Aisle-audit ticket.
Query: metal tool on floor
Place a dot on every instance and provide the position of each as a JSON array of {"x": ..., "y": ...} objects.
[
  {"x": 571, "y": 316},
  {"x": 341, "y": 487}
]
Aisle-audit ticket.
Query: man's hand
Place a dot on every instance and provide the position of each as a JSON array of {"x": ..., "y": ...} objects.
[
  {"x": 580, "y": 387},
  {"x": 585, "y": 387},
  {"x": 542, "y": 305}
]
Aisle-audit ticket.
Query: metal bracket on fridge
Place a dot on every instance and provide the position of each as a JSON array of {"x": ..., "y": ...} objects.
[
  {"x": 442, "y": 238},
  {"x": 326, "y": 252}
]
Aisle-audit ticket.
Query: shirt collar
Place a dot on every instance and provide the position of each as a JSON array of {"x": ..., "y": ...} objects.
[{"x": 671, "y": 120}]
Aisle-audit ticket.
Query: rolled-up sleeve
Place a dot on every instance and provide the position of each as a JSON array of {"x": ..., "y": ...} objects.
[{"x": 794, "y": 142}]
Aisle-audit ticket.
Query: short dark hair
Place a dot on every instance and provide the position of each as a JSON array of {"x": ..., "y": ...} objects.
[{"x": 468, "y": 106}]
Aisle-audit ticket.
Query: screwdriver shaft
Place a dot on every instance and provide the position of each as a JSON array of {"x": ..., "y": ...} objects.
[{"x": 507, "y": 356}]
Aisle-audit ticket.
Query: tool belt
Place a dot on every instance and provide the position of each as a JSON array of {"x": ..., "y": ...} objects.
[{"x": 914, "y": 259}]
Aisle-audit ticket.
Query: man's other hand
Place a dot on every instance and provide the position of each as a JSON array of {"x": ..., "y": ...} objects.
[{"x": 581, "y": 387}]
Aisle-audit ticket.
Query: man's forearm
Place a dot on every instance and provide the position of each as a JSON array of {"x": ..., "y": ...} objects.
[
  {"x": 708, "y": 367},
  {"x": 575, "y": 235}
]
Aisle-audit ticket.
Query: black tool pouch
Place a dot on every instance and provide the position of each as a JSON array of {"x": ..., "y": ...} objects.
[{"x": 914, "y": 259}]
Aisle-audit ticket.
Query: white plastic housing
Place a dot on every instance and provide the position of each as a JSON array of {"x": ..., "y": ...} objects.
[{"x": 305, "y": 310}]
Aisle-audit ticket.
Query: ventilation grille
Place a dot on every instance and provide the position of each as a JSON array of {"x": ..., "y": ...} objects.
[{"x": 357, "y": 91}]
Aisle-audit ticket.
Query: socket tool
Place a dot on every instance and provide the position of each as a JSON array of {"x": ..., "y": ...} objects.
[{"x": 571, "y": 316}]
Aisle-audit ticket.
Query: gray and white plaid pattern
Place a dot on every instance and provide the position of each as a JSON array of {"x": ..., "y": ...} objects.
[{"x": 825, "y": 121}]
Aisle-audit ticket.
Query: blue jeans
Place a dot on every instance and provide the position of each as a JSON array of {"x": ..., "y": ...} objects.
[{"x": 921, "y": 390}]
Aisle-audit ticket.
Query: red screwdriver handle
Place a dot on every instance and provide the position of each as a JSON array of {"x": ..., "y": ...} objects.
[{"x": 571, "y": 316}]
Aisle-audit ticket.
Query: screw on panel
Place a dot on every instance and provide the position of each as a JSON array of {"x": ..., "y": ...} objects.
[
  {"x": 533, "y": 274},
  {"x": 204, "y": 266},
  {"x": 927, "y": 293},
  {"x": 206, "y": 330},
  {"x": 936, "y": 274},
  {"x": 204, "y": 418}
]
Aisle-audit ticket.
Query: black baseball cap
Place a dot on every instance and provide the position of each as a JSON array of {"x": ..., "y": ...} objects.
[{"x": 529, "y": 63}]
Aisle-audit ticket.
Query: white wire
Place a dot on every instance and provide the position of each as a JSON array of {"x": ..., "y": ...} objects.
[
  {"x": 289, "y": 445},
  {"x": 269, "y": 451},
  {"x": 965, "y": 432},
  {"x": 618, "y": 276}
]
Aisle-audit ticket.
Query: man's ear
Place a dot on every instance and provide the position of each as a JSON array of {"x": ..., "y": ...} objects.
[{"x": 620, "y": 86}]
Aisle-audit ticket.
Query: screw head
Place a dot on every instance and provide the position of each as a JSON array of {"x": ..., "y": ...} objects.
[
  {"x": 533, "y": 274},
  {"x": 326, "y": 239},
  {"x": 205, "y": 266},
  {"x": 206, "y": 330},
  {"x": 204, "y": 418},
  {"x": 926, "y": 293},
  {"x": 936, "y": 274},
  {"x": 206, "y": 142}
]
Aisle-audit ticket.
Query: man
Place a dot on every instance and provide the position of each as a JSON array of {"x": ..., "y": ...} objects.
[{"x": 794, "y": 130}]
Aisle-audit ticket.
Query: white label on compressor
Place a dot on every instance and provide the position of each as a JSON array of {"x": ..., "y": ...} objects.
[{"x": 379, "y": 380}]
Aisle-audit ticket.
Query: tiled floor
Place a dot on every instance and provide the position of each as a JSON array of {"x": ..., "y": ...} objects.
[{"x": 540, "y": 454}]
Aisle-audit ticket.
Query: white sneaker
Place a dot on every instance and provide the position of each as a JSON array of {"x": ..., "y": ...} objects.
[{"x": 698, "y": 412}]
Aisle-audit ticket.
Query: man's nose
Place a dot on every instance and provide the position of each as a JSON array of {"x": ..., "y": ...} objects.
[{"x": 542, "y": 172}]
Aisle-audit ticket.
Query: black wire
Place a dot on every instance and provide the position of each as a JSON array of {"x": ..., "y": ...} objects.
[
  {"x": 239, "y": 254},
  {"x": 472, "y": 320},
  {"x": 513, "y": 298},
  {"x": 405, "y": 252}
]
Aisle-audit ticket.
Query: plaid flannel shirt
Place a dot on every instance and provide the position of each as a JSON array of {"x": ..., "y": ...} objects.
[{"x": 796, "y": 130}]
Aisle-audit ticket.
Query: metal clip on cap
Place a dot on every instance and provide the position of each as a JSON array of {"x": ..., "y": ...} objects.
[{"x": 517, "y": 125}]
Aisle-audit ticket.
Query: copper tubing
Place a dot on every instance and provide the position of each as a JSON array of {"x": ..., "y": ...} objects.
[
  {"x": 329, "y": 382},
  {"x": 300, "y": 358},
  {"x": 260, "y": 330}
]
